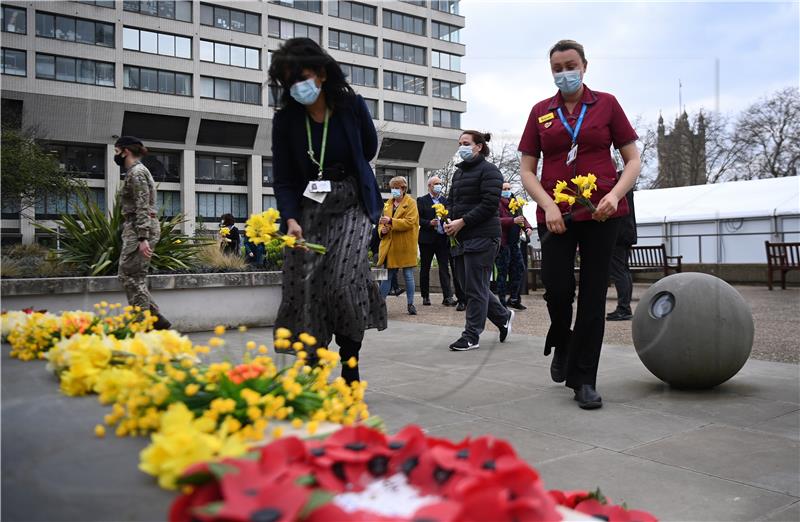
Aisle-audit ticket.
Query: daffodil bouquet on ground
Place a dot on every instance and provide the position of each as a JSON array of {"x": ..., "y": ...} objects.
[
  {"x": 515, "y": 205},
  {"x": 263, "y": 228},
  {"x": 441, "y": 215},
  {"x": 581, "y": 194}
]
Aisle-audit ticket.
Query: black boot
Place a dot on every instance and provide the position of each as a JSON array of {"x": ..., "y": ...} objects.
[
  {"x": 588, "y": 398},
  {"x": 348, "y": 348},
  {"x": 560, "y": 346}
]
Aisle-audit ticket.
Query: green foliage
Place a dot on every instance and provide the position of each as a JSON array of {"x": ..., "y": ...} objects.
[
  {"x": 28, "y": 173},
  {"x": 273, "y": 260},
  {"x": 92, "y": 240},
  {"x": 33, "y": 261}
]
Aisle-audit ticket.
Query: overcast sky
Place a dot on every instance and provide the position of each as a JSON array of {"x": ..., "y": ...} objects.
[{"x": 636, "y": 50}]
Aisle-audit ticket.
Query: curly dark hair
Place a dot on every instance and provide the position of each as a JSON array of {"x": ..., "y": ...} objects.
[{"x": 297, "y": 54}]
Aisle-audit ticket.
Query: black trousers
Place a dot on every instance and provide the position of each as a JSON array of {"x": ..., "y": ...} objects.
[
  {"x": 348, "y": 348},
  {"x": 596, "y": 241},
  {"x": 473, "y": 270},
  {"x": 458, "y": 285},
  {"x": 440, "y": 249},
  {"x": 621, "y": 275}
]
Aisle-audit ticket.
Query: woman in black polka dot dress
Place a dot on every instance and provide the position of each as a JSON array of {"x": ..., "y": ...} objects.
[{"x": 323, "y": 138}]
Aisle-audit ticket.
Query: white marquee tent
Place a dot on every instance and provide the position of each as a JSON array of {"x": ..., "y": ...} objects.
[{"x": 718, "y": 223}]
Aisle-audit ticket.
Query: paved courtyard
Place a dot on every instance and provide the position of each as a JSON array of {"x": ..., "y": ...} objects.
[{"x": 732, "y": 453}]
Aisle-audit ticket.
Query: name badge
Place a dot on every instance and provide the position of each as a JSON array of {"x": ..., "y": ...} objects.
[
  {"x": 573, "y": 154},
  {"x": 322, "y": 185},
  {"x": 547, "y": 117},
  {"x": 317, "y": 190}
]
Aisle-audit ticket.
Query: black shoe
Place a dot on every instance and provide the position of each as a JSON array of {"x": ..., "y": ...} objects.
[
  {"x": 619, "y": 315},
  {"x": 449, "y": 301},
  {"x": 460, "y": 307},
  {"x": 426, "y": 301},
  {"x": 588, "y": 398},
  {"x": 516, "y": 303},
  {"x": 399, "y": 291},
  {"x": 412, "y": 310},
  {"x": 505, "y": 330},
  {"x": 161, "y": 323},
  {"x": 462, "y": 345},
  {"x": 558, "y": 367}
]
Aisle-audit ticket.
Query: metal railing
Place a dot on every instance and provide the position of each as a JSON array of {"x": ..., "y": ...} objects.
[{"x": 773, "y": 236}]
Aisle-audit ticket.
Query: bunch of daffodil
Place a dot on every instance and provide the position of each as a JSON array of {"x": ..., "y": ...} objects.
[
  {"x": 441, "y": 215},
  {"x": 263, "y": 228},
  {"x": 581, "y": 194},
  {"x": 515, "y": 205}
]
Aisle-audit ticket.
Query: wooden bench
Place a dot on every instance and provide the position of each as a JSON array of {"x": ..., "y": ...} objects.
[
  {"x": 781, "y": 257},
  {"x": 653, "y": 259}
]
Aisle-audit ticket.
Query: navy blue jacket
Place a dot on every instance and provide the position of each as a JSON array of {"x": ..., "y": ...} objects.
[{"x": 290, "y": 158}]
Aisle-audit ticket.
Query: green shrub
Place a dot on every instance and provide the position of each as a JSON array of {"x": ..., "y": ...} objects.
[{"x": 273, "y": 260}]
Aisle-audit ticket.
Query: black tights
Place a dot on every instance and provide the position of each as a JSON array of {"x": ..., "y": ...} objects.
[{"x": 348, "y": 348}]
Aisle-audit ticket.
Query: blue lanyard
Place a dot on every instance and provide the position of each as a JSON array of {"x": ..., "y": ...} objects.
[{"x": 573, "y": 133}]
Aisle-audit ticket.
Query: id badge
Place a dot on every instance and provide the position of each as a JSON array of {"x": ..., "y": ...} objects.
[
  {"x": 573, "y": 154},
  {"x": 314, "y": 194}
]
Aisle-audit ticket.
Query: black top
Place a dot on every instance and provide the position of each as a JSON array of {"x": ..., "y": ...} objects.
[
  {"x": 427, "y": 234},
  {"x": 337, "y": 153},
  {"x": 475, "y": 197}
]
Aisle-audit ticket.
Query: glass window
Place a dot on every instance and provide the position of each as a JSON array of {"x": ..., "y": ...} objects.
[
  {"x": 372, "y": 105},
  {"x": 183, "y": 10},
  {"x": 45, "y": 66},
  {"x": 183, "y": 47},
  {"x": 404, "y": 113},
  {"x": 222, "y": 89},
  {"x": 222, "y": 18},
  {"x": 15, "y": 20},
  {"x": 84, "y": 31},
  {"x": 252, "y": 93},
  {"x": 166, "y": 82},
  {"x": 149, "y": 7},
  {"x": 403, "y": 53},
  {"x": 130, "y": 77},
  {"x": 274, "y": 27},
  {"x": 206, "y": 87},
  {"x": 166, "y": 9},
  {"x": 222, "y": 53},
  {"x": 166, "y": 44},
  {"x": 238, "y": 21},
  {"x": 237, "y": 56},
  {"x": 104, "y": 34},
  {"x": 65, "y": 69},
  {"x": 14, "y": 62},
  {"x": 131, "y": 5},
  {"x": 266, "y": 173},
  {"x": 205, "y": 168},
  {"x": 45, "y": 25},
  {"x": 252, "y": 23},
  {"x": 130, "y": 38},
  {"x": 65, "y": 28},
  {"x": 148, "y": 42},
  {"x": 86, "y": 72},
  {"x": 206, "y": 51},
  {"x": 253, "y": 58},
  {"x": 183, "y": 84},
  {"x": 149, "y": 80},
  {"x": 206, "y": 14}
]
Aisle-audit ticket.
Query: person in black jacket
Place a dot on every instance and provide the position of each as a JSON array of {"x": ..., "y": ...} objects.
[
  {"x": 433, "y": 241},
  {"x": 323, "y": 138},
  {"x": 232, "y": 241},
  {"x": 619, "y": 272},
  {"x": 475, "y": 224}
]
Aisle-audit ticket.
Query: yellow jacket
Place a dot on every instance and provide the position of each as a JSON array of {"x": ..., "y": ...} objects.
[{"x": 399, "y": 246}]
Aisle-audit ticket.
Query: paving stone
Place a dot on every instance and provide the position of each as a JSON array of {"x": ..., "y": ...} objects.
[
  {"x": 397, "y": 412},
  {"x": 788, "y": 514},
  {"x": 757, "y": 459},
  {"x": 786, "y": 425},
  {"x": 670, "y": 493}
]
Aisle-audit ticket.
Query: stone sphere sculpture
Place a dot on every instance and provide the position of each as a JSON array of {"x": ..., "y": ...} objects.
[{"x": 693, "y": 330}]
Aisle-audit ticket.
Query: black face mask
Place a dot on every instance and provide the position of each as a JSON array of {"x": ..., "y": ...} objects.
[{"x": 119, "y": 159}]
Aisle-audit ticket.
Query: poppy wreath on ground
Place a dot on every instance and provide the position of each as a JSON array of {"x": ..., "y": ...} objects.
[
  {"x": 358, "y": 473},
  {"x": 597, "y": 505}
]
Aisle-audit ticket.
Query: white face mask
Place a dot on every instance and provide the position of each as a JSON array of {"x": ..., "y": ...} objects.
[
  {"x": 465, "y": 152},
  {"x": 568, "y": 81},
  {"x": 305, "y": 92},
  {"x": 437, "y": 189}
]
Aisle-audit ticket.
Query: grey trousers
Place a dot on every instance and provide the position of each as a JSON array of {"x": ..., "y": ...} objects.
[{"x": 473, "y": 270}]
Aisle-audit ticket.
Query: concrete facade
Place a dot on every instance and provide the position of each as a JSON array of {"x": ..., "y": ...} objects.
[{"x": 71, "y": 113}]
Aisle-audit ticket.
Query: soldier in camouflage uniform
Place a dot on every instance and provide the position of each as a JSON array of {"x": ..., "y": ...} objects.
[{"x": 141, "y": 230}]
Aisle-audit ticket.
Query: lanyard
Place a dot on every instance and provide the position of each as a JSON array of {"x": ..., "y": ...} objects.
[
  {"x": 573, "y": 133},
  {"x": 324, "y": 143}
]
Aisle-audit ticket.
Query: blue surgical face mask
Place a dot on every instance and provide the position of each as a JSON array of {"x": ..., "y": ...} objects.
[
  {"x": 305, "y": 92},
  {"x": 465, "y": 152},
  {"x": 568, "y": 81},
  {"x": 437, "y": 189},
  {"x": 396, "y": 193},
  {"x": 505, "y": 193}
]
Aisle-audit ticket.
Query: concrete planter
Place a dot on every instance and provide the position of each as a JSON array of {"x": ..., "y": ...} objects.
[{"x": 193, "y": 302}]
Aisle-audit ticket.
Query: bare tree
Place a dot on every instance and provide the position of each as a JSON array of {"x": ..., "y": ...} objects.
[{"x": 768, "y": 136}]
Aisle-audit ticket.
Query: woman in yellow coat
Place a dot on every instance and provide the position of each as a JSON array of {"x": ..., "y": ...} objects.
[{"x": 399, "y": 230}]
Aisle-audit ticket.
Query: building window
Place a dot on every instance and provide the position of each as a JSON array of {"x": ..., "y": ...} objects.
[
  {"x": 211, "y": 206},
  {"x": 156, "y": 43},
  {"x": 420, "y": 3},
  {"x": 366, "y": 14},
  {"x": 10, "y": 208},
  {"x": 14, "y": 20},
  {"x": 403, "y": 22},
  {"x": 404, "y": 113},
  {"x": 446, "y": 32},
  {"x": 449, "y": 119},
  {"x": 221, "y": 170},
  {"x": 80, "y": 161},
  {"x": 15, "y": 62},
  {"x": 385, "y": 174},
  {"x": 353, "y": 43},
  {"x": 366, "y": 76},
  {"x": 268, "y": 201},
  {"x": 372, "y": 105},
  {"x": 305, "y": 5},
  {"x": 441, "y": 60},
  {"x": 52, "y": 207},
  {"x": 267, "y": 178},
  {"x": 164, "y": 165},
  {"x": 74, "y": 29},
  {"x": 225, "y": 54},
  {"x": 285, "y": 29},
  {"x": 233, "y": 19},
  {"x": 403, "y": 53},
  {"x": 446, "y": 6},
  {"x": 449, "y": 90},
  {"x": 169, "y": 203},
  {"x": 230, "y": 90},
  {"x": 154, "y": 80},
  {"x": 174, "y": 10},
  {"x": 67, "y": 69},
  {"x": 395, "y": 81},
  {"x": 99, "y": 3}
]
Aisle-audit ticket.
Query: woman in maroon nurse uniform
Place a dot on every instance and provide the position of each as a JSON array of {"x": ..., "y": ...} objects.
[{"x": 573, "y": 133}]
